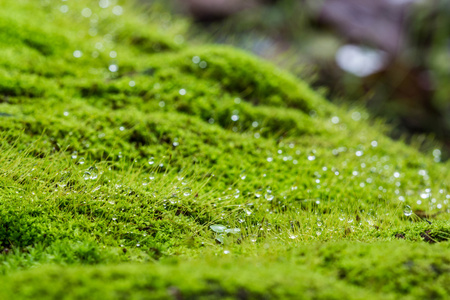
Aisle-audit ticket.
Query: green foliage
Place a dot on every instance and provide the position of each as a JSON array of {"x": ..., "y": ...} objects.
[{"x": 129, "y": 169}]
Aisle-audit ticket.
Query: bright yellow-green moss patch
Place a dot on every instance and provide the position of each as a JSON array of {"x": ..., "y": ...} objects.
[{"x": 122, "y": 144}]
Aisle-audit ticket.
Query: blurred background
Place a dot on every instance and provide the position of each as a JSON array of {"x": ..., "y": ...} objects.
[{"x": 391, "y": 56}]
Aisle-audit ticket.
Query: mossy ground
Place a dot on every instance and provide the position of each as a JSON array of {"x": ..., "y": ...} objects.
[{"x": 122, "y": 144}]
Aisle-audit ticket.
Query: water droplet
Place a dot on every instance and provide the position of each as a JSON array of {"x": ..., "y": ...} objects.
[
  {"x": 117, "y": 10},
  {"x": 356, "y": 116},
  {"x": 103, "y": 3},
  {"x": 407, "y": 210},
  {"x": 319, "y": 222},
  {"x": 425, "y": 195},
  {"x": 422, "y": 173},
  {"x": 64, "y": 8},
  {"x": 91, "y": 173},
  {"x": 437, "y": 153},
  {"x": 195, "y": 59},
  {"x": 269, "y": 197},
  {"x": 335, "y": 120},
  {"x": 86, "y": 12},
  {"x": 233, "y": 230},
  {"x": 182, "y": 92},
  {"x": 77, "y": 53},
  {"x": 311, "y": 157},
  {"x": 113, "y": 68},
  {"x": 218, "y": 228},
  {"x": 234, "y": 118}
]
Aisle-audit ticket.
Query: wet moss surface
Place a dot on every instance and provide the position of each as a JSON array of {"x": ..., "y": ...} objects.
[{"x": 137, "y": 163}]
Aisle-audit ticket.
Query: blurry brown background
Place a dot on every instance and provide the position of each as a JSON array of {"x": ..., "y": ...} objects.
[{"x": 393, "y": 56}]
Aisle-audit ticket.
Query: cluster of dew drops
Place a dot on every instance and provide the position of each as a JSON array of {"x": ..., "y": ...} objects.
[{"x": 91, "y": 173}]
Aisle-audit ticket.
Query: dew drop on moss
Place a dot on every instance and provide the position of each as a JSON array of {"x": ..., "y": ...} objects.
[
  {"x": 86, "y": 12},
  {"x": 269, "y": 197},
  {"x": 117, "y": 10},
  {"x": 407, "y": 211}
]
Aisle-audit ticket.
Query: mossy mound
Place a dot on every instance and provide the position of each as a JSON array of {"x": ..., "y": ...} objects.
[{"x": 175, "y": 171}]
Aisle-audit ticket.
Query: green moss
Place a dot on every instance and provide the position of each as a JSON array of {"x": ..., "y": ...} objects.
[
  {"x": 322, "y": 271},
  {"x": 189, "y": 281},
  {"x": 124, "y": 171}
]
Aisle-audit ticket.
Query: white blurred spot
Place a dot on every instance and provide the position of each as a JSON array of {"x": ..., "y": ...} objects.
[
  {"x": 360, "y": 61},
  {"x": 103, "y": 3},
  {"x": 113, "y": 68},
  {"x": 86, "y": 12},
  {"x": 117, "y": 10},
  {"x": 77, "y": 53},
  {"x": 64, "y": 8}
]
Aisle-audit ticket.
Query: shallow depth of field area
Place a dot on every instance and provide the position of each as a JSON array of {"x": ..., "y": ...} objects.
[{"x": 136, "y": 163}]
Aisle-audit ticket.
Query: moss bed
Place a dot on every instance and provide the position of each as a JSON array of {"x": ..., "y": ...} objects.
[{"x": 138, "y": 163}]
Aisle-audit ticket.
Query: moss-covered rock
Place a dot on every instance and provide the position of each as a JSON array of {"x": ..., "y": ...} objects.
[{"x": 122, "y": 144}]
